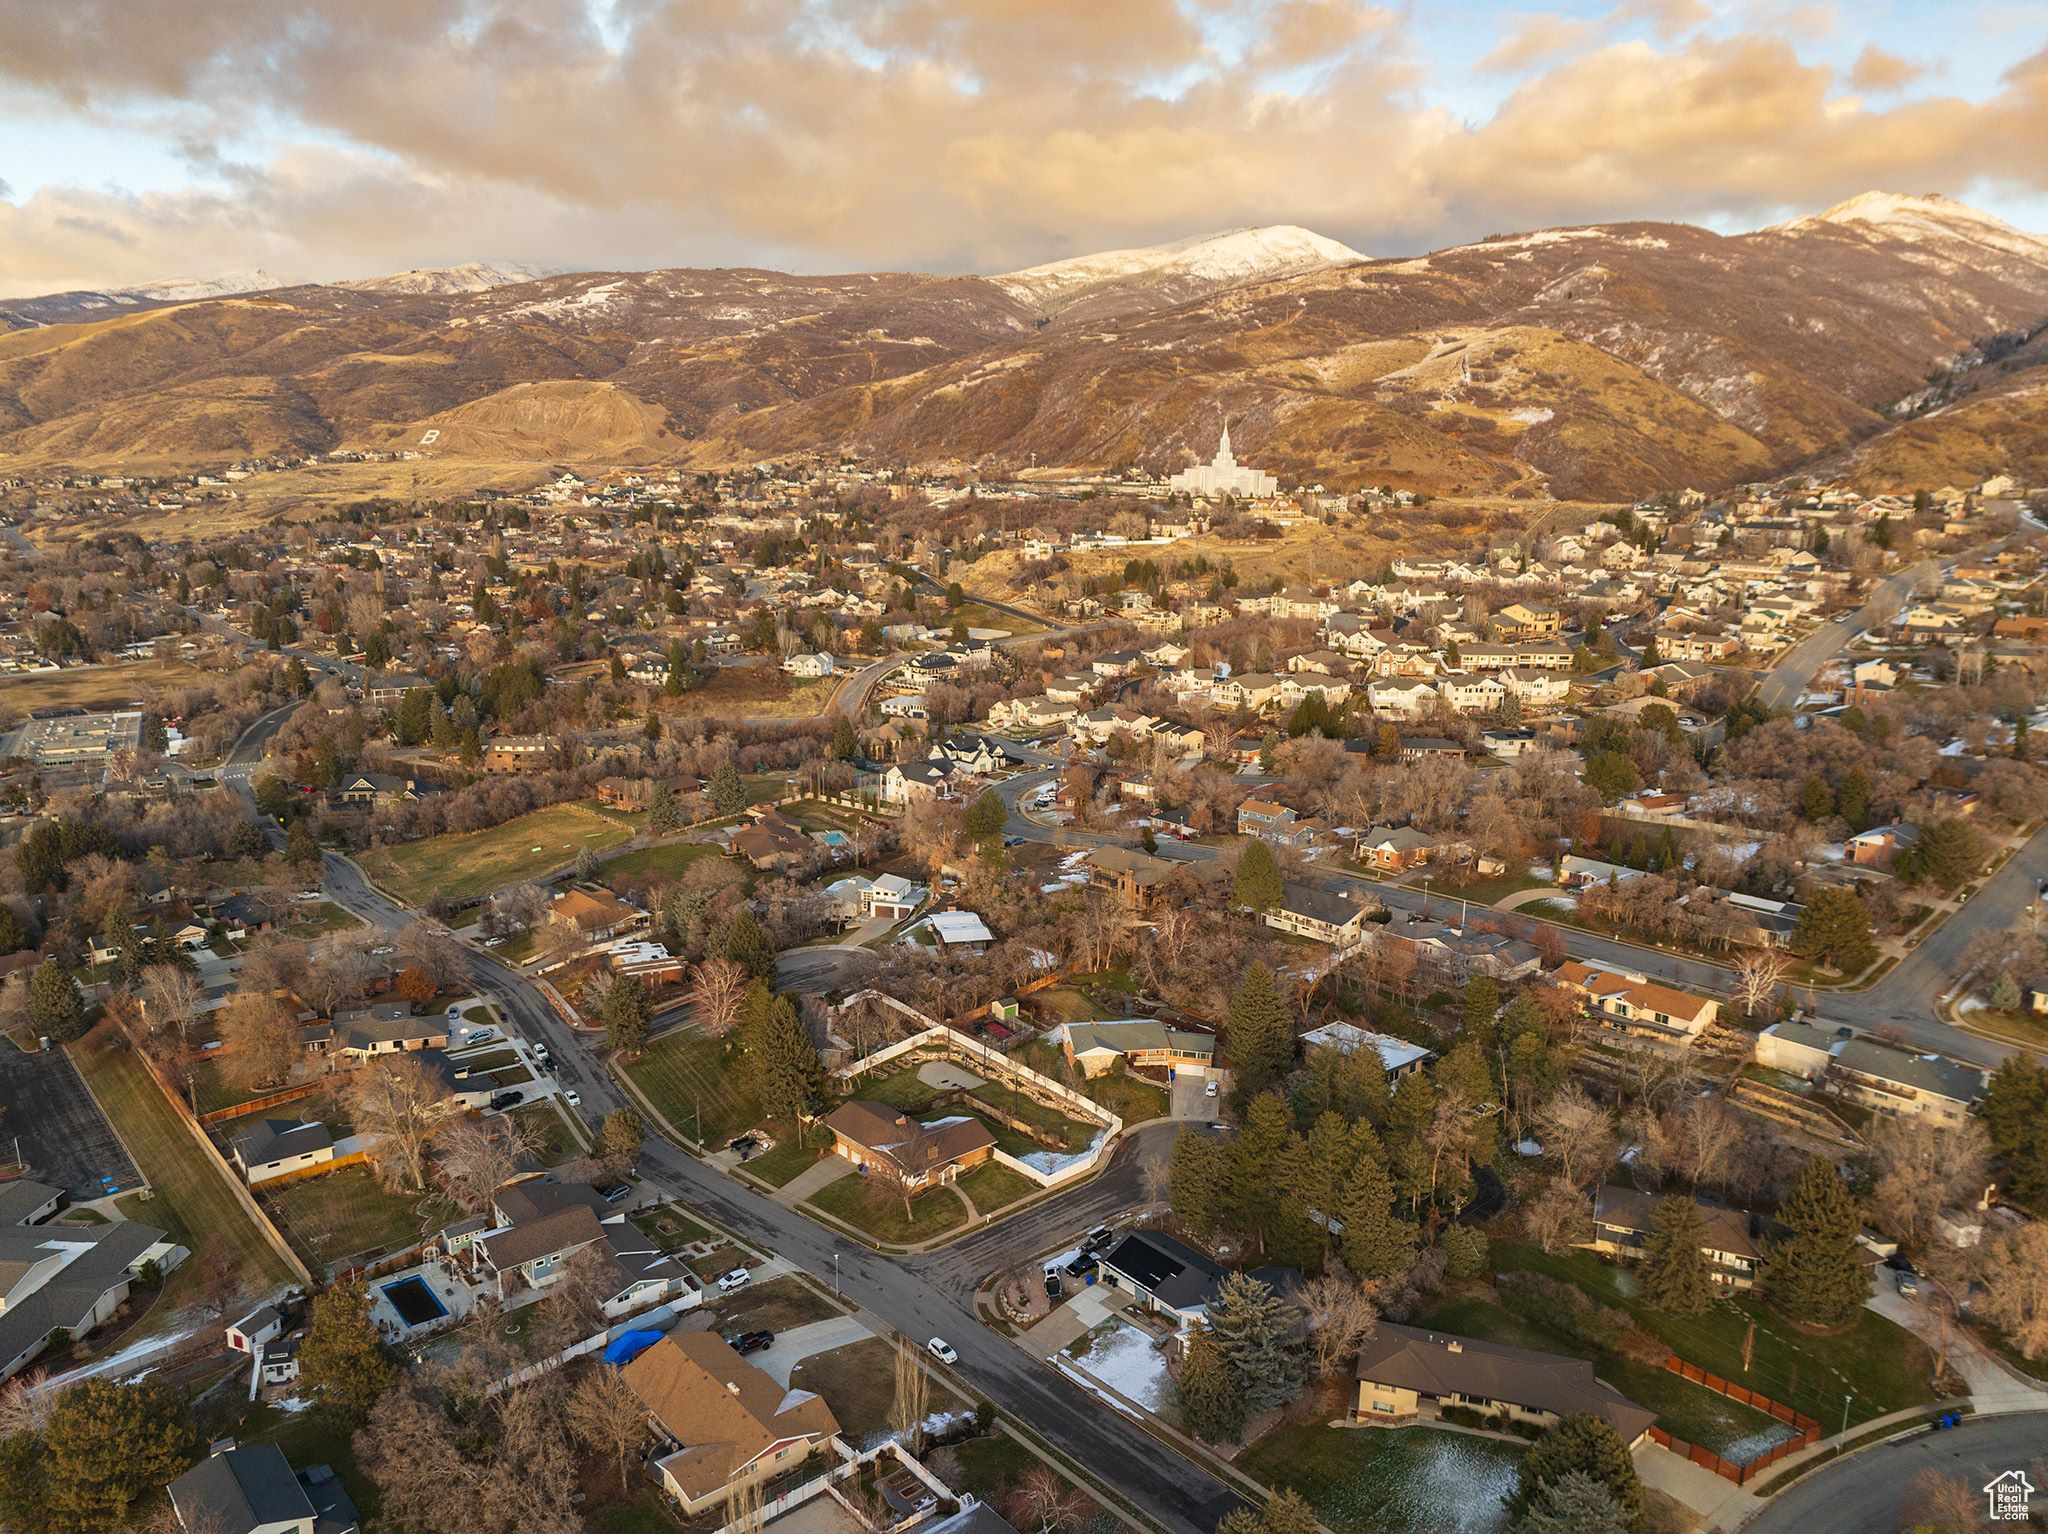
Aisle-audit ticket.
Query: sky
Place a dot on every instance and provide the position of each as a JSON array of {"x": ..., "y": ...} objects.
[{"x": 324, "y": 139}]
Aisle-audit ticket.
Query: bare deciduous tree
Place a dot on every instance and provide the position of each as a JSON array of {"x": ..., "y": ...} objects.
[
  {"x": 1339, "y": 1314},
  {"x": 477, "y": 1157},
  {"x": 1757, "y": 975},
  {"x": 1577, "y": 1133},
  {"x": 607, "y": 1417},
  {"x": 171, "y": 997},
  {"x": 913, "y": 1397},
  {"x": 397, "y": 1107},
  {"x": 718, "y": 988}
]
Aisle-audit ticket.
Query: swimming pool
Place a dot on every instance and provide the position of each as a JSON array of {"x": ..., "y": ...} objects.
[{"x": 415, "y": 1302}]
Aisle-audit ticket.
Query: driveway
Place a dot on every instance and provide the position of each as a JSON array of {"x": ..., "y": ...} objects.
[
  {"x": 1993, "y": 1386},
  {"x": 811, "y": 1179},
  {"x": 1191, "y": 1100},
  {"x": 65, "y": 1139},
  {"x": 792, "y": 1347}
]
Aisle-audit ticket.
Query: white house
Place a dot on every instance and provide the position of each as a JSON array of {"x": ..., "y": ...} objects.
[{"x": 819, "y": 664}]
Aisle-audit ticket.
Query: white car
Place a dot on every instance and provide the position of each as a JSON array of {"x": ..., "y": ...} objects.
[
  {"x": 738, "y": 1278},
  {"x": 571, "y": 1097},
  {"x": 942, "y": 1350}
]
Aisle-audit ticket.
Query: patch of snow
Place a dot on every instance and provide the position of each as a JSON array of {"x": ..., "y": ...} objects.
[
  {"x": 1753, "y": 1445},
  {"x": 1129, "y": 1362},
  {"x": 1232, "y": 257},
  {"x": 469, "y": 277}
]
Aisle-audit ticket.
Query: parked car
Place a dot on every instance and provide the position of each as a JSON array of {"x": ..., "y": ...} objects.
[
  {"x": 572, "y": 1097},
  {"x": 617, "y": 1193},
  {"x": 1211, "y": 1089},
  {"x": 506, "y": 1100},
  {"x": 540, "y": 1050},
  {"x": 738, "y": 1278},
  {"x": 1097, "y": 1239},
  {"x": 1084, "y": 1264},
  {"x": 942, "y": 1350},
  {"x": 1052, "y": 1283},
  {"x": 750, "y": 1342},
  {"x": 1908, "y": 1284},
  {"x": 746, "y": 1145}
]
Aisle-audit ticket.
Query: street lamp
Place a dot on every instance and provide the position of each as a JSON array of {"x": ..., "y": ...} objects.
[{"x": 835, "y": 1270}]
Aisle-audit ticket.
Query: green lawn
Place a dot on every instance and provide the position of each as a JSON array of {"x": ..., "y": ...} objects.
[
  {"x": 697, "y": 1086},
  {"x": 465, "y": 864},
  {"x": 669, "y": 861},
  {"x": 212, "y": 1090},
  {"x": 192, "y": 1198},
  {"x": 992, "y": 1186},
  {"x": 1066, "y": 1132},
  {"x": 646, "y": 1511},
  {"x": 669, "y": 1226},
  {"x": 556, "y": 1142},
  {"x": 992, "y": 1466},
  {"x": 932, "y": 1213},
  {"x": 790, "y": 1156},
  {"x": 1131, "y": 1098},
  {"x": 1417, "y": 1480},
  {"x": 899, "y": 1088},
  {"x": 346, "y": 1213},
  {"x": 317, "y": 919},
  {"x": 1882, "y": 1364}
]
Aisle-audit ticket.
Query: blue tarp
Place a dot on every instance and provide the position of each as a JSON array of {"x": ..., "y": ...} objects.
[{"x": 627, "y": 1346}]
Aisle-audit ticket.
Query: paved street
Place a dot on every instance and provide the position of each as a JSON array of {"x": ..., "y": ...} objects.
[{"x": 1872, "y": 1490}]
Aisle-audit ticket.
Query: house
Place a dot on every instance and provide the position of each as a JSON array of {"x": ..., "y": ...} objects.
[
  {"x": 891, "y": 897},
  {"x": 819, "y": 664},
  {"x": 773, "y": 843},
  {"x": 1322, "y": 915},
  {"x": 1137, "y": 878},
  {"x": 1528, "y": 620},
  {"x": 959, "y": 931},
  {"x": 538, "y": 1227},
  {"x": 1393, "y": 849},
  {"x": 517, "y": 753},
  {"x": 24, "y": 1201},
  {"x": 1402, "y": 1370},
  {"x": 1163, "y": 1274},
  {"x": 1398, "y": 1056},
  {"x": 388, "y": 1028},
  {"x": 1797, "y": 1049},
  {"x": 1905, "y": 1085},
  {"x": 67, "y": 1279},
  {"x": 724, "y": 1423},
  {"x": 1417, "y": 748},
  {"x": 596, "y": 913},
  {"x": 389, "y": 690},
  {"x": 906, "y": 782},
  {"x": 978, "y": 754},
  {"x": 1880, "y": 846},
  {"x": 1634, "y": 1003},
  {"x": 274, "y": 1148},
  {"x": 1140, "y": 1043},
  {"x": 377, "y": 790},
  {"x": 1270, "y": 822},
  {"x": 252, "y": 1489},
  {"x": 1730, "y": 1239},
  {"x": 871, "y": 1134}
]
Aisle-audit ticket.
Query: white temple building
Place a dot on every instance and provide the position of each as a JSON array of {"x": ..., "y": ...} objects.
[{"x": 1223, "y": 475}]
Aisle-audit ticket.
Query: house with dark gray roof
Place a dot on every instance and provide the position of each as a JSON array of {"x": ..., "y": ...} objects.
[
  {"x": 273, "y": 1148},
  {"x": 24, "y": 1201},
  {"x": 253, "y": 1489},
  {"x": 1405, "y": 1372},
  {"x": 69, "y": 1279},
  {"x": 538, "y": 1227},
  {"x": 1164, "y": 1274}
]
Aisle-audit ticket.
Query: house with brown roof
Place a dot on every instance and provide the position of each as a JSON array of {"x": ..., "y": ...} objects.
[
  {"x": 1636, "y": 1004},
  {"x": 1405, "y": 1372},
  {"x": 872, "y": 1134},
  {"x": 727, "y": 1423},
  {"x": 596, "y": 913},
  {"x": 773, "y": 843},
  {"x": 539, "y": 1227}
]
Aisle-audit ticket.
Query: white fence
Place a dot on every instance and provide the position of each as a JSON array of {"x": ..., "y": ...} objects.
[{"x": 950, "y": 1041}]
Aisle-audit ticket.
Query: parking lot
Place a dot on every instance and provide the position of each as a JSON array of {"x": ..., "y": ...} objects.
[{"x": 65, "y": 1139}]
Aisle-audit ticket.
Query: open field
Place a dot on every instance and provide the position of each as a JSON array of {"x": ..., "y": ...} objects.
[
  {"x": 1881, "y": 1365},
  {"x": 792, "y": 1154},
  {"x": 96, "y": 686},
  {"x": 693, "y": 1081},
  {"x": 556, "y": 1143},
  {"x": 346, "y": 1213},
  {"x": 668, "y": 861},
  {"x": 760, "y": 691},
  {"x": 777, "y": 1305},
  {"x": 1363, "y": 1480},
  {"x": 858, "y": 1382},
  {"x": 932, "y": 1213},
  {"x": 470, "y": 863},
  {"x": 192, "y": 1200}
]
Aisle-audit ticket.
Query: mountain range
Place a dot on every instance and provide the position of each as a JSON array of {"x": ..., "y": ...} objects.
[{"x": 1903, "y": 340}]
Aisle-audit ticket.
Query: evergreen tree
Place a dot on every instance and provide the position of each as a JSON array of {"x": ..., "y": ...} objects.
[
  {"x": 1948, "y": 852},
  {"x": 1285, "y": 1512},
  {"x": 728, "y": 794},
  {"x": 2015, "y": 1117},
  {"x": 1257, "y": 884},
  {"x": 1207, "y": 1393},
  {"x": 1259, "y": 1034},
  {"x": 1256, "y": 1156},
  {"x": 664, "y": 810},
  {"x": 1589, "y": 1445},
  {"x": 1196, "y": 1184},
  {"x": 1465, "y": 1249},
  {"x": 1815, "y": 1272},
  {"x": 1852, "y": 799},
  {"x": 985, "y": 818},
  {"x": 1375, "y": 1243},
  {"x": 1482, "y": 1001},
  {"x": 620, "y": 1138},
  {"x": 2005, "y": 992},
  {"x": 107, "y": 1447},
  {"x": 1676, "y": 1278},
  {"x": 1409, "y": 1116},
  {"x": 1574, "y": 1503},
  {"x": 54, "y": 1004},
  {"x": 785, "y": 1062},
  {"x": 1816, "y": 800},
  {"x": 1254, "y": 1332},
  {"x": 748, "y": 945},
  {"x": 1466, "y": 1071},
  {"x": 626, "y": 1014},
  {"x": 342, "y": 1360},
  {"x": 1834, "y": 930},
  {"x": 845, "y": 743}
]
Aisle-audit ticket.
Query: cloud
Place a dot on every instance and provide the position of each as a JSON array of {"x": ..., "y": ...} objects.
[
  {"x": 344, "y": 137},
  {"x": 1876, "y": 70},
  {"x": 1534, "y": 39}
]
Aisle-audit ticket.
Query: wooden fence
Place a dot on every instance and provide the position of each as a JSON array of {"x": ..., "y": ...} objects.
[
  {"x": 1806, "y": 1430},
  {"x": 260, "y": 1104}
]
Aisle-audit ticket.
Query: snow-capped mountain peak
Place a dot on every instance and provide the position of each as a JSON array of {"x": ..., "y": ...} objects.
[
  {"x": 469, "y": 277},
  {"x": 1930, "y": 220},
  {"x": 1204, "y": 263},
  {"x": 185, "y": 290}
]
